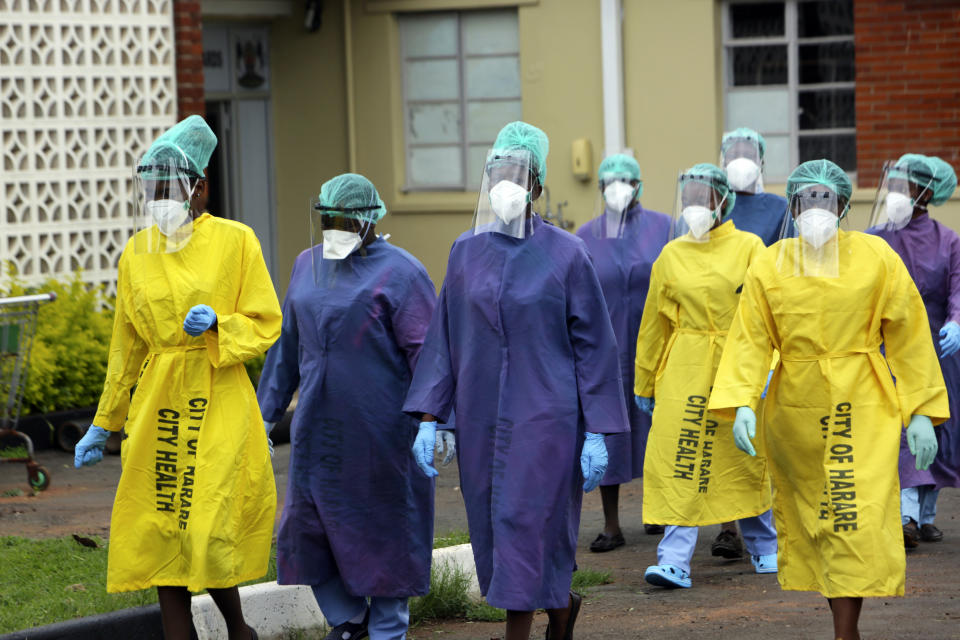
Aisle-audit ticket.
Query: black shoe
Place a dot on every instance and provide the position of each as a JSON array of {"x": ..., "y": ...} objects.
[
  {"x": 350, "y": 630},
  {"x": 607, "y": 543},
  {"x": 727, "y": 545},
  {"x": 653, "y": 529},
  {"x": 929, "y": 533},
  {"x": 575, "y": 601},
  {"x": 911, "y": 535}
]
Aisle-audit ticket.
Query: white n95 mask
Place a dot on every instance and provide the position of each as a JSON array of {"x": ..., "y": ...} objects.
[
  {"x": 698, "y": 218},
  {"x": 618, "y": 195},
  {"x": 817, "y": 226},
  {"x": 508, "y": 200},
  {"x": 899, "y": 209},
  {"x": 337, "y": 245},
  {"x": 168, "y": 214},
  {"x": 742, "y": 174}
]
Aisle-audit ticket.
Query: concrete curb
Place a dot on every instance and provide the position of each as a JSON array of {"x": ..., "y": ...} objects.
[{"x": 272, "y": 609}]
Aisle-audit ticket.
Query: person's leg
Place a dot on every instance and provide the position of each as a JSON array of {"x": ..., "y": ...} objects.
[
  {"x": 729, "y": 526},
  {"x": 610, "y": 497},
  {"x": 337, "y": 605},
  {"x": 175, "y": 612},
  {"x": 518, "y": 625},
  {"x": 727, "y": 543},
  {"x": 559, "y": 619},
  {"x": 677, "y": 545},
  {"x": 910, "y": 516},
  {"x": 228, "y": 602},
  {"x": 759, "y": 534},
  {"x": 846, "y": 617},
  {"x": 389, "y": 618},
  {"x": 928, "y": 513}
]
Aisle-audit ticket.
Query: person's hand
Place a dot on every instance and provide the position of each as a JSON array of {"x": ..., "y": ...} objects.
[
  {"x": 446, "y": 442},
  {"x": 767, "y": 386},
  {"x": 744, "y": 430},
  {"x": 644, "y": 404},
  {"x": 593, "y": 461},
  {"x": 949, "y": 339},
  {"x": 89, "y": 451},
  {"x": 199, "y": 319},
  {"x": 922, "y": 441},
  {"x": 423, "y": 448},
  {"x": 269, "y": 427}
]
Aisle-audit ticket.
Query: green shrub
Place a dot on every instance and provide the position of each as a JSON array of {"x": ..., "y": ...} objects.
[
  {"x": 448, "y": 597},
  {"x": 69, "y": 357}
]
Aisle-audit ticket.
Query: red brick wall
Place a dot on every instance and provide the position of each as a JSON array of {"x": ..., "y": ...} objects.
[
  {"x": 908, "y": 81},
  {"x": 188, "y": 27}
]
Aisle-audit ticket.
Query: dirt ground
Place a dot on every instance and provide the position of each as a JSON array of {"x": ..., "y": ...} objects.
[{"x": 728, "y": 600}]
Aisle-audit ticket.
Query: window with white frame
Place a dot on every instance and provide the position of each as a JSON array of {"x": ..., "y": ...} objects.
[
  {"x": 789, "y": 74},
  {"x": 461, "y": 84}
]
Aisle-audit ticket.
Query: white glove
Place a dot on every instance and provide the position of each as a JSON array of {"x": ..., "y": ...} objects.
[
  {"x": 446, "y": 440},
  {"x": 269, "y": 427}
]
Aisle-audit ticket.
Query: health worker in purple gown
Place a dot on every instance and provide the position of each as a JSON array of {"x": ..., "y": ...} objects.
[
  {"x": 931, "y": 252},
  {"x": 357, "y": 521},
  {"x": 521, "y": 346},
  {"x": 624, "y": 240}
]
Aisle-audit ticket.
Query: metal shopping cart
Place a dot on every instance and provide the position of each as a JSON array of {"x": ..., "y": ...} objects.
[{"x": 18, "y": 323}]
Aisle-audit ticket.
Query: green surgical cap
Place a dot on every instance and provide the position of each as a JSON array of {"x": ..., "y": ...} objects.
[
  {"x": 520, "y": 135},
  {"x": 822, "y": 172},
  {"x": 743, "y": 133},
  {"x": 194, "y": 137},
  {"x": 619, "y": 166},
  {"x": 715, "y": 178},
  {"x": 351, "y": 191},
  {"x": 944, "y": 182}
]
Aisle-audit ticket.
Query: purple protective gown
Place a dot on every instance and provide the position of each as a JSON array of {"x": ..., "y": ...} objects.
[
  {"x": 521, "y": 346},
  {"x": 623, "y": 266},
  {"x": 931, "y": 252},
  {"x": 357, "y": 505}
]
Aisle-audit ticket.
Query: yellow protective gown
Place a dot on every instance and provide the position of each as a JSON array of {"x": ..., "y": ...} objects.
[
  {"x": 833, "y": 414},
  {"x": 693, "y": 474},
  {"x": 196, "y": 500}
]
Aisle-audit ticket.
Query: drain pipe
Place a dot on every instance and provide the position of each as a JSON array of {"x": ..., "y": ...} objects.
[
  {"x": 611, "y": 48},
  {"x": 351, "y": 99}
]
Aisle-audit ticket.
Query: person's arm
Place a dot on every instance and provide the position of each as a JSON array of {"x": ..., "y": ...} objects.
[
  {"x": 127, "y": 352},
  {"x": 953, "y": 286},
  {"x": 652, "y": 337},
  {"x": 431, "y": 393},
  {"x": 281, "y": 370},
  {"x": 255, "y": 325},
  {"x": 411, "y": 312}
]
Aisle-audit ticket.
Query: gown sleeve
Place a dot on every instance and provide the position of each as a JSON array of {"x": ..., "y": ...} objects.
[
  {"x": 655, "y": 330},
  {"x": 747, "y": 354},
  {"x": 255, "y": 325},
  {"x": 953, "y": 291},
  {"x": 281, "y": 370},
  {"x": 127, "y": 352},
  {"x": 599, "y": 384},
  {"x": 434, "y": 384},
  {"x": 411, "y": 313},
  {"x": 909, "y": 350}
]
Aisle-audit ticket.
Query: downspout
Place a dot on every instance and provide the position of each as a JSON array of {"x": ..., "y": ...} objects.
[
  {"x": 348, "y": 65},
  {"x": 611, "y": 48}
]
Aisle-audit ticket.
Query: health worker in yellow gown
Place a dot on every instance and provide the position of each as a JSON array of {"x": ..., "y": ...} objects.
[
  {"x": 828, "y": 300},
  {"x": 693, "y": 473},
  {"x": 196, "y": 500}
]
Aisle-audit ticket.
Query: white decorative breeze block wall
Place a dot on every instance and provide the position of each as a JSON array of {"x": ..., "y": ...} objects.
[{"x": 85, "y": 86}]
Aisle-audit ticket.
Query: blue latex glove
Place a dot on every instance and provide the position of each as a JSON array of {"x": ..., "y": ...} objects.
[
  {"x": 199, "y": 319},
  {"x": 922, "y": 441},
  {"x": 644, "y": 404},
  {"x": 269, "y": 427},
  {"x": 949, "y": 339},
  {"x": 767, "y": 386},
  {"x": 423, "y": 448},
  {"x": 446, "y": 442},
  {"x": 89, "y": 451},
  {"x": 745, "y": 430},
  {"x": 593, "y": 461}
]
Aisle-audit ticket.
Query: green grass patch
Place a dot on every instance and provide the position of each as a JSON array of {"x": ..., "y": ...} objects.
[
  {"x": 13, "y": 452},
  {"x": 448, "y": 595},
  {"x": 46, "y": 581},
  {"x": 583, "y": 579},
  {"x": 452, "y": 539},
  {"x": 482, "y": 612}
]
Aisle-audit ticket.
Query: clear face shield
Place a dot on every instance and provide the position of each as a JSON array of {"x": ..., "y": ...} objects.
[
  {"x": 698, "y": 206},
  {"x": 810, "y": 244},
  {"x": 897, "y": 197},
  {"x": 506, "y": 194},
  {"x": 336, "y": 233},
  {"x": 616, "y": 197},
  {"x": 161, "y": 221},
  {"x": 742, "y": 162}
]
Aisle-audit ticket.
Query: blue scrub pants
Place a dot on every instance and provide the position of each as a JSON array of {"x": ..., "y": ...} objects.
[
  {"x": 389, "y": 617},
  {"x": 678, "y": 543},
  {"x": 919, "y": 503}
]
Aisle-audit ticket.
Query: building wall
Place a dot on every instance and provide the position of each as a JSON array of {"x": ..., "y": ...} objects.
[{"x": 188, "y": 30}]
